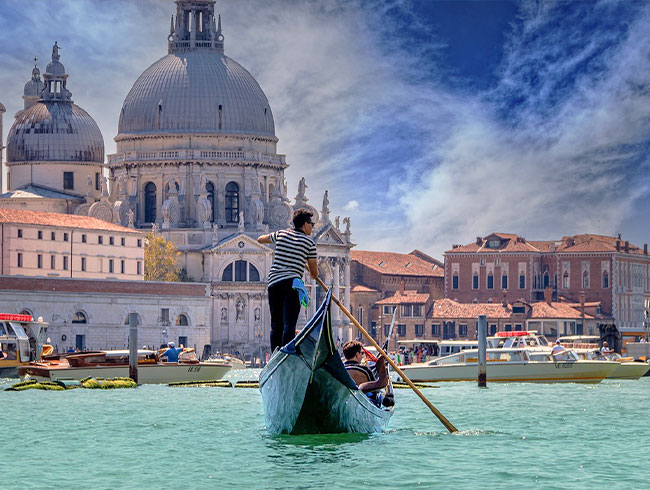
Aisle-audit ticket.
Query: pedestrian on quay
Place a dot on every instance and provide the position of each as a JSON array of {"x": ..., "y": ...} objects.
[{"x": 294, "y": 251}]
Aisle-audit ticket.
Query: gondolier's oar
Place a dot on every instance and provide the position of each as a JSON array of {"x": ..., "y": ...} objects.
[{"x": 450, "y": 427}]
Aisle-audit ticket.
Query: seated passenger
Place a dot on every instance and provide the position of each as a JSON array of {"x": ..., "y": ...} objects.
[
  {"x": 362, "y": 375},
  {"x": 172, "y": 352}
]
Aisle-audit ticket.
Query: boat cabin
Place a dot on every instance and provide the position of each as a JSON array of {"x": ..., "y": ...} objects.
[
  {"x": 110, "y": 357},
  {"x": 580, "y": 341},
  {"x": 21, "y": 340},
  {"x": 517, "y": 339}
]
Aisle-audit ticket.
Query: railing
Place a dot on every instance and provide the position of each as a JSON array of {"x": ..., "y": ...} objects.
[{"x": 147, "y": 156}]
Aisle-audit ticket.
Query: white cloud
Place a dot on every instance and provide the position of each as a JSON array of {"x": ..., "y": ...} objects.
[{"x": 351, "y": 206}]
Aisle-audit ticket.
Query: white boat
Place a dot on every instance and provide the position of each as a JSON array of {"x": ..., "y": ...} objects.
[
  {"x": 115, "y": 364},
  {"x": 511, "y": 365},
  {"x": 21, "y": 341},
  {"x": 587, "y": 347},
  {"x": 235, "y": 362}
]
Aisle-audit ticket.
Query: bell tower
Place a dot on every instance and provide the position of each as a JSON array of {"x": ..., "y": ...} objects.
[{"x": 195, "y": 28}]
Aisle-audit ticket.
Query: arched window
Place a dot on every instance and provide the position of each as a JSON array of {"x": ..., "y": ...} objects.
[
  {"x": 547, "y": 280},
  {"x": 237, "y": 271},
  {"x": 79, "y": 317},
  {"x": 605, "y": 280},
  {"x": 150, "y": 203},
  {"x": 565, "y": 280},
  {"x": 490, "y": 281},
  {"x": 27, "y": 312},
  {"x": 210, "y": 188},
  {"x": 475, "y": 281},
  {"x": 126, "y": 320},
  {"x": 585, "y": 280},
  {"x": 182, "y": 320},
  {"x": 232, "y": 202}
]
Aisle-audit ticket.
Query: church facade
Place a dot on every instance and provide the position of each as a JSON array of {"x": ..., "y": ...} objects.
[{"x": 197, "y": 163}]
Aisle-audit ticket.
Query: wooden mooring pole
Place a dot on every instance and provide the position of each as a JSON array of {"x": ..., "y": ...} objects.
[
  {"x": 481, "y": 326},
  {"x": 133, "y": 346}
]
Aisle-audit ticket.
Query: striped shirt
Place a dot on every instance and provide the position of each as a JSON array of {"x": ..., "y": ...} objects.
[{"x": 292, "y": 249}]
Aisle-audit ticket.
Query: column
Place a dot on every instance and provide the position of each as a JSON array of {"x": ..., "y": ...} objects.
[
  {"x": 346, "y": 301},
  {"x": 337, "y": 287}
]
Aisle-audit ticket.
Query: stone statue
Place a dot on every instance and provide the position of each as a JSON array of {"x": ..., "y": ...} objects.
[
  {"x": 325, "y": 212},
  {"x": 224, "y": 314},
  {"x": 241, "y": 221},
  {"x": 257, "y": 314},
  {"x": 55, "y": 51},
  {"x": 240, "y": 309},
  {"x": 346, "y": 221},
  {"x": 131, "y": 219},
  {"x": 104, "y": 181},
  {"x": 215, "y": 233},
  {"x": 155, "y": 229},
  {"x": 337, "y": 223}
]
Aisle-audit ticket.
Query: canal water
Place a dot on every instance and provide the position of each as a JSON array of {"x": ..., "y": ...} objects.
[{"x": 512, "y": 436}]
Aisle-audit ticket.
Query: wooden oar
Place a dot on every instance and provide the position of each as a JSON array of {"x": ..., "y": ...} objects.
[{"x": 450, "y": 427}]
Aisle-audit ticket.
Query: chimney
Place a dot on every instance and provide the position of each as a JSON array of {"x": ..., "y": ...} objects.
[
  {"x": 618, "y": 245},
  {"x": 582, "y": 303},
  {"x": 627, "y": 246},
  {"x": 479, "y": 240},
  {"x": 504, "y": 301},
  {"x": 548, "y": 295},
  {"x": 645, "y": 249},
  {"x": 401, "y": 287}
]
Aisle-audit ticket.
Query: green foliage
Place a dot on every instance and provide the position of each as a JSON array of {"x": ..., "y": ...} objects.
[{"x": 160, "y": 259}]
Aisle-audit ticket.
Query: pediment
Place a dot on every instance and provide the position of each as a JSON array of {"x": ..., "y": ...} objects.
[
  {"x": 239, "y": 243},
  {"x": 330, "y": 236}
]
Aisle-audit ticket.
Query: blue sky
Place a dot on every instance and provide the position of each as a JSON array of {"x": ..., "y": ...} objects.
[{"x": 429, "y": 122}]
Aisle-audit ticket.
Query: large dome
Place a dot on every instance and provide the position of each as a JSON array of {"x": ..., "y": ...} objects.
[
  {"x": 196, "y": 92},
  {"x": 55, "y": 131}
]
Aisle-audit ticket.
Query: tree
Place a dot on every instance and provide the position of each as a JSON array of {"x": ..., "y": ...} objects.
[{"x": 160, "y": 259}]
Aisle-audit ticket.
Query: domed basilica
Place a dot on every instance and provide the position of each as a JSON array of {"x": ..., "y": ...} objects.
[{"x": 196, "y": 161}]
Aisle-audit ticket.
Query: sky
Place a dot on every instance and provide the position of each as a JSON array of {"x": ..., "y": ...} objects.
[{"x": 429, "y": 122}]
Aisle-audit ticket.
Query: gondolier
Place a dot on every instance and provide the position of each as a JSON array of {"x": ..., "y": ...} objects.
[{"x": 294, "y": 250}]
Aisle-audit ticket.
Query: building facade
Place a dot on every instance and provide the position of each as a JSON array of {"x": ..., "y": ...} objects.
[
  {"x": 34, "y": 243},
  {"x": 602, "y": 269}
]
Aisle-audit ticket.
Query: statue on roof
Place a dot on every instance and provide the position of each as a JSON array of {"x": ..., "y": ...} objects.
[{"x": 55, "y": 51}]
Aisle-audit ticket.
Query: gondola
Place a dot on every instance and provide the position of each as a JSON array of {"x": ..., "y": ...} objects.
[{"x": 306, "y": 389}]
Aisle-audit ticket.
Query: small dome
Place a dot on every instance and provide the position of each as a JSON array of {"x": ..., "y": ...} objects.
[
  {"x": 33, "y": 88},
  {"x": 55, "y": 68},
  {"x": 55, "y": 131},
  {"x": 196, "y": 92}
]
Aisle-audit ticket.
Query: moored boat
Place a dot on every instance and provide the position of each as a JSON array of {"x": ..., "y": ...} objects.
[
  {"x": 115, "y": 363},
  {"x": 21, "y": 341},
  {"x": 511, "y": 365},
  {"x": 306, "y": 388}
]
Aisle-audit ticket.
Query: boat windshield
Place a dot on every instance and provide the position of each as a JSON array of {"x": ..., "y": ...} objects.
[{"x": 18, "y": 328}]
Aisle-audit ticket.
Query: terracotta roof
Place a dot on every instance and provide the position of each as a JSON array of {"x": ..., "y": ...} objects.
[
  {"x": 396, "y": 263},
  {"x": 409, "y": 297},
  {"x": 363, "y": 289},
  {"x": 576, "y": 243},
  {"x": 556, "y": 311},
  {"x": 449, "y": 309},
  {"x": 20, "y": 216}
]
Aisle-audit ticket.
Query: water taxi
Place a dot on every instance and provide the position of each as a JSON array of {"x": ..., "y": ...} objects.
[
  {"x": 235, "y": 362},
  {"x": 21, "y": 341},
  {"x": 115, "y": 363},
  {"x": 511, "y": 365}
]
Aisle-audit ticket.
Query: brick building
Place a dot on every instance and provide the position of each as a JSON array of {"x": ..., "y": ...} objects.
[
  {"x": 503, "y": 266},
  {"x": 376, "y": 276}
]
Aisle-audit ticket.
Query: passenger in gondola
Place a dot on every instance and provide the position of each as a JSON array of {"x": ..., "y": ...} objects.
[{"x": 363, "y": 376}]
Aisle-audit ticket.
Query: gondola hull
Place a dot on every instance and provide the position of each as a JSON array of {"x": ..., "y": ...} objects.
[{"x": 306, "y": 389}]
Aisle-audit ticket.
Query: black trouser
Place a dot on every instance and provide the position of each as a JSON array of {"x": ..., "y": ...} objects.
[{"x": 285, "y": 308}]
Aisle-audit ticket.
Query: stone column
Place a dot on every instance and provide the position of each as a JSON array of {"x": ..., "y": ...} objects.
[
  {"x": 337, "y": 287},
  {"x": 346, "y": 300}
]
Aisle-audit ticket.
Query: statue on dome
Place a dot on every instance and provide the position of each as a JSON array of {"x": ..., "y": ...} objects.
[{"x": 55, "y": 51}]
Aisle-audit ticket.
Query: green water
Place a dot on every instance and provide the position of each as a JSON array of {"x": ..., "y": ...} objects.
[{"x": 513, "y": 436}]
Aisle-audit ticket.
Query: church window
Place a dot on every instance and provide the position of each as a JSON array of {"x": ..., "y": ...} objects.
[
  {"x": 182, "y": 320},
  {"x": 220, "y": 114},
  {"x": 253, "y": 273},
  {"x": 605, "y": 280},
  {"x": 232, "y": 202},
  {"x": 68, "y": 180},
  {"x": 210, "y": 188},
  {"x": 227, "y": 274},
  {"x": 150, "y": 203},
  {"x": 79, "y": 317},
  {"x": 240, "y": 271},
  {"x": 97, "y": 181}
]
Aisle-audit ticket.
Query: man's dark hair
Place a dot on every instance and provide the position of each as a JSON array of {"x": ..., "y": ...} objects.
[
  {"x": 300, "y": 217},
  {"x": 352, "y": 348}
]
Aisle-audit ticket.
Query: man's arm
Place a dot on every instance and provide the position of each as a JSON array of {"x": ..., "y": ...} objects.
[
  {"x": 312, "y": 265},
  {"x": 380, "y": 382},
  {"x": 264, "y": 238}
]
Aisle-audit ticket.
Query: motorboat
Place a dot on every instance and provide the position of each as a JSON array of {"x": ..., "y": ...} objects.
[
  {"x": 307, "y": 390},
  {"x": 511, "y": 365},
  {"x": 587, "y": 347},
  {"x": 235, "y": 362},
  {"x": 21, "y": 342},
  {"x": 115, "y": 363}
]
